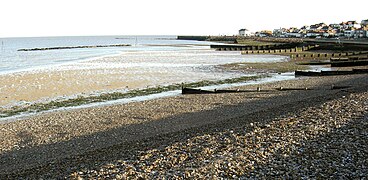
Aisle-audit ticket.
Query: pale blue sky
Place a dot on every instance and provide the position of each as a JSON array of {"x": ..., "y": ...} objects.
[{"x": 21, "y": 18}]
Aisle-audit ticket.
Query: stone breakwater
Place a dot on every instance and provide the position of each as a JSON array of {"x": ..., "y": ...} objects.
[
  {"x": 73, "y": 47},
  {"x": 296, "y": 134}
]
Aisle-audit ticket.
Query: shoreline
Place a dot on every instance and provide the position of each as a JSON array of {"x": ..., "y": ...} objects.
[
  {"x": 139, "y": 98},
  {"x": 106, "y": 97},
  {"x": 69, "y": 84},
  {"x": 59, "y": 137}
]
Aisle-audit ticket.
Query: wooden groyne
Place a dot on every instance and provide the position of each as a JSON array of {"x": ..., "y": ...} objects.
[
  {"x": 349, "y": 63},
  {"x": 200, "y": 91},
  {"x": 195, "y": 91},
  {"x": 240, "y": 47},
  {"x": 336, "y": 59},
  {"x": 316, "y": 56},
  {"x": 326, "y": 56},
  {"x": 350, "y": 58},
  {"x": 280, "y": 51},
  {"x": 73, "y": 47},
  {"x": 330, "y": 73},
  {"x": 218, "y": 91}
]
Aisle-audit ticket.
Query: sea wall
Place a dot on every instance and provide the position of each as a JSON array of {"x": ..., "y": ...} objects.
[
  {"x": 226, "y": 39},
  {"x": 195, "y": 38}
]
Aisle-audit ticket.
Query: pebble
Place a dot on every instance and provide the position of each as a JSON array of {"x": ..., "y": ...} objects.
[
  {"x": 319, "y": 147},
  {"x": 327, "y": 140}
]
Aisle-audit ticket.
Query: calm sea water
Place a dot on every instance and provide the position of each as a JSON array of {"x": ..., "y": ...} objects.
[
  {"x": 13, "y": 60},
  {"x": 144, "y": 50},
  {"x": 150, "y": 61}
]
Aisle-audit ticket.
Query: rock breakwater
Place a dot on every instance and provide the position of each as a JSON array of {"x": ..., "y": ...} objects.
[{"x": 73, "y": 47}]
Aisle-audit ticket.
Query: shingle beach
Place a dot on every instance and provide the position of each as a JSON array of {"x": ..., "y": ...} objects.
[{"x": 304, "y": 134}]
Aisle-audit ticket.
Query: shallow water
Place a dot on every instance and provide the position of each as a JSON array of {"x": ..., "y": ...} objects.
[
  {"x": 145, "y": 50},
  {"x": 12, "y": 60},
  {"x": 272, "y": 78},
  {"x": 150, "y": 61},
  {"x": 168, "y": 67}
]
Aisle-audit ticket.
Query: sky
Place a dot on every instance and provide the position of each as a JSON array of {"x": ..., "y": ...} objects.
[{"x": 33, "y": 18}]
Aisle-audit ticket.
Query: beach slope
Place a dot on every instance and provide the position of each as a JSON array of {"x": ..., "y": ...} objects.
[{"x": 317, "y": 133}]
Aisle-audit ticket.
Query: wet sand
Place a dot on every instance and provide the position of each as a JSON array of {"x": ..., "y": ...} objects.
[
  {"x": 60, "y": 144},
  {"x": 42, "y": 86},
  {"x": 120, "y": 73}
]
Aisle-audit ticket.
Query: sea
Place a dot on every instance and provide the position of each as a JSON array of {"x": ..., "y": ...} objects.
[
  {"x": 145, "y": 50},
  {"x": 150, "y": 60}
]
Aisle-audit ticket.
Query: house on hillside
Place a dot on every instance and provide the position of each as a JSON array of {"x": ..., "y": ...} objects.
[
  {"x": 326, "y": 28},
  {"x": 330, "y": 33},
  {"x": 294, "y": 33},
  {"x": 348, "y": 29},
  {"x": 360, "y": 33},
  {"x": 335, "y": 26},
  {"x": 353, "y": 24},
  {"x": 313, "y": 27},
  {"x": 339, "y": 33},
  {"x": 314, "y": 33},
  {"x": 317, "y": 26},
  {"x": 349, "y": 32},
  {"x": 364, "y": 23},
  {"x": 344, "y": 25},
  {"x": 305, "y": 27},
  {"x": 244, "y": 32}
]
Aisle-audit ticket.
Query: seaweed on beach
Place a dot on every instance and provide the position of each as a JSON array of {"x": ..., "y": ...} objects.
[{"x": 82, "y": 100}]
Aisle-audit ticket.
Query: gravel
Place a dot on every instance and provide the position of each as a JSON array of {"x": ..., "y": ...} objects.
[
  {"x": 320, "y": 133},
  {"x": 328, "y": 141}
]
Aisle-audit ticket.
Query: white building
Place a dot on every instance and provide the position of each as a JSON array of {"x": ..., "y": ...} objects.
[
  {"x": 244, "y": 32},
  {"x": 353, "y": 24}
]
